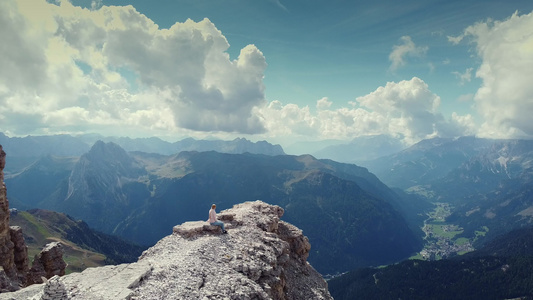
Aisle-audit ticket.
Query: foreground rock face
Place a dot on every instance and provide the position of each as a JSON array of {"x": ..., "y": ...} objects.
[
  {"x": 8, "y": 270},
  {"x": 20, "y": 251},
  {"x": 14, "y": 263},
  {"x": 260, "y": 258}
]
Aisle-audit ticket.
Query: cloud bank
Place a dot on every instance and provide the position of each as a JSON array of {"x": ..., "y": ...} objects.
[
  {"x": 67, "y": 68},
  {"x": 407, "y": 110}
]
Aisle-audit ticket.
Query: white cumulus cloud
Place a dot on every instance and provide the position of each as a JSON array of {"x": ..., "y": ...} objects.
[
  {"x": 405, "y": 109},
  {"x": 505, "y": 98},
  {"x": 64, "y": 66}
]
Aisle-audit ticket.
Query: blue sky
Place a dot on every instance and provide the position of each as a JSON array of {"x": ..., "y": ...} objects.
[
  {"x": 284, "y": 71},
  {"x": 340, "y": 49}
]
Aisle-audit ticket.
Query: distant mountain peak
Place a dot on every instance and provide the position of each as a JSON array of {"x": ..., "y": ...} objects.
[
  {"x": 103, "y": 149},
  {"x": 113, "y": 154},
  {"x": 97, "y": 181}
]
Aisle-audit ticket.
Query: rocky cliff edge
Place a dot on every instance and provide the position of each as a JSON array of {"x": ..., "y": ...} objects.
[
  {"x": 260, "y": 258},
  {"x": 14, "y": 262}
]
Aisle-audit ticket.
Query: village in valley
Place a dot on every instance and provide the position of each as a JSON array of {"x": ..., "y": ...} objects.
[{"x": 440, "y": 237}]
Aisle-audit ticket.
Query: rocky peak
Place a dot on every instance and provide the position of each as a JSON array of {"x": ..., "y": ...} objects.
[
  {"x": 111, "y": 156},
  {"x": 105, "y": 163},
  {"x": 98, "y": 180},
  {"x": 261, "y": 257}
]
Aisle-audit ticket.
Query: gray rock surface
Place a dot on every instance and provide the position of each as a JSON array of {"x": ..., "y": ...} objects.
[
  {"x": 260, "y": 258},
  {"x": 54, "y": 289},
  {"x": 48, "y": 263}
]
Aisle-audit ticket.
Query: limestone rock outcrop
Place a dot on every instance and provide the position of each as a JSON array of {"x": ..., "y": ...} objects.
[
  {"x": 14, "y": 263},
  {"x": 8, "y": 271},
  {"x": 20, "y": 251},
  {"x": 48, "y": 263},
  {"x": 261, "y": 257}
]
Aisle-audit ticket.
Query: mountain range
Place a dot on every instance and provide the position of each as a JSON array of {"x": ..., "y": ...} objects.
[
  {"x": 426, "y": 161},
  {"x": 347, "y": 213},
  {"x": 488, "y": 182},
  {"x": 355, "y": 216},
  {"x": 26, "y": 150}
]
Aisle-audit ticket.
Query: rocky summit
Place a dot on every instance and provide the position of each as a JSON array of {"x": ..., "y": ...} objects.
[{"x": 261, "y": 257}]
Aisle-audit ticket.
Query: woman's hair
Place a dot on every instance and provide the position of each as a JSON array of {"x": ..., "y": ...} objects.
[{"x": 213, "y": 206}]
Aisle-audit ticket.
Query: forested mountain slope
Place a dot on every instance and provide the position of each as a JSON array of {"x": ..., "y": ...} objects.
[{"x": 501, "y": 270}]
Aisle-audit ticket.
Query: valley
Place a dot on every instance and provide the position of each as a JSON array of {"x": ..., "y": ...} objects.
[{"x": 442, "y": 239}]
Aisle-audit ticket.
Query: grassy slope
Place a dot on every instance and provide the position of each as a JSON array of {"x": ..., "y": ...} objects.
[{"x": 40, "y": 231}]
